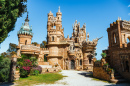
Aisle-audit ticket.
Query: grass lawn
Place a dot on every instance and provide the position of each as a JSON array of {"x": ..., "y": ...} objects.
[{"x": 48, "y": 78}]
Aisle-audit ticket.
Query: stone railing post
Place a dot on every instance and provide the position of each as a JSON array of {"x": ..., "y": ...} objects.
[{"x": 13, "y": 67}]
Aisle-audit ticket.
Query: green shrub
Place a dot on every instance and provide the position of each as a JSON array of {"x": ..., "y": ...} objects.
[
  {"x": 4, "y": 68},
  {"x": 106, "y": 64},
  {"x": 34, "y": 72},
  {"x": 23, "y": 73}
]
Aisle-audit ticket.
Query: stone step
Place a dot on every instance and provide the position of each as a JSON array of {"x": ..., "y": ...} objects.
[
  {"x": 117, "y": 80},
  {"x": 46, "y": 66},
  {"x": 118, "y": 77}
]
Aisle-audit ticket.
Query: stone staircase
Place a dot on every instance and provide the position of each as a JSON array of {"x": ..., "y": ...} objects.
[{"x": 118, "y": 78}]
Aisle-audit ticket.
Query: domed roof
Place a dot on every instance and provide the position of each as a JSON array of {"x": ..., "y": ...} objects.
[{"x": 26, "y": 29}]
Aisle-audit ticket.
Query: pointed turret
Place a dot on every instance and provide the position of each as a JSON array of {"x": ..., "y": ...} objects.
[{"x": 58, "y": 13}]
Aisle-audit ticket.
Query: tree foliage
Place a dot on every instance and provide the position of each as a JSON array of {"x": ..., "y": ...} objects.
[
  {"x": 12, "y": 47},
  {"x": 103, "y": 55},
  {"x": 4, "y": 68},
  {"x": 10, "y": 10},
  {"x": 43, "y": 44},
  {"x": 34, "y": 43}
]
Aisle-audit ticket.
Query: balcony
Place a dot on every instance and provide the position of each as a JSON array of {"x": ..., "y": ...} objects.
[{"x": 30, "y": 49}]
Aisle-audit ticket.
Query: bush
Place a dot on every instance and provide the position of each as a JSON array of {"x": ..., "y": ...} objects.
[
  {"x": 4, "y": 68},
  {"x": 25, "y": 68},
  {"x": 34, "y": 72},
  {"x": 23, "y": 73},
  {"x": 39, "y": 68}
]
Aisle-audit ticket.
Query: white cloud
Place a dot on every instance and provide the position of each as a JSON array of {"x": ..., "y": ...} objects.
[
  {"x": 129, "y": 14},
  {"x": 128, "y": 5}
]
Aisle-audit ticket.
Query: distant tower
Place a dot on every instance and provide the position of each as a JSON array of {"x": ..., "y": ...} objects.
[
  {"x": 79, "y": 34},
  {"x": 54, "y": 27},
  {"x": 24, "y": 34}
]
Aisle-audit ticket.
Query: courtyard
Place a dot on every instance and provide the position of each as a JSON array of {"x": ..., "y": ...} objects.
[{"x": 78, "y": 78}]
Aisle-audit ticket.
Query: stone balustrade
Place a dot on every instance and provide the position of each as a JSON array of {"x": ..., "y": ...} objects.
[{"x": 30, "y": 47}]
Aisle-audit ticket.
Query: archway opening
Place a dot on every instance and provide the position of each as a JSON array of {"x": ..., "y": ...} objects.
[
  {"x": 128, "y": 40},
  {"x": 45, "y": 57},
  {"x": 72, "y": 64}
]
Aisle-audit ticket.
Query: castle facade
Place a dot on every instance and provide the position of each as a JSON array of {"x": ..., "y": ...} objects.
[{"x": 73, "y": 52}]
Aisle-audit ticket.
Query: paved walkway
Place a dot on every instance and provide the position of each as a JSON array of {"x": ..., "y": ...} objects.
[
  {"x": 77, "y": 78},
  {"x": 80, "y": 78}
]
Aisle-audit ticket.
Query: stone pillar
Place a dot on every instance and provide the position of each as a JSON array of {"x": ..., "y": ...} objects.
[{"x": 13, "y": 75}]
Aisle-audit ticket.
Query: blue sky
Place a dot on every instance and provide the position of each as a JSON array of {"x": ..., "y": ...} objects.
[{"x": 97, "y": 14}]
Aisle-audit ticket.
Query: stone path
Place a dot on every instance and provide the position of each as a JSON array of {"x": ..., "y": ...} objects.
[{"x": 80, "y": 78}]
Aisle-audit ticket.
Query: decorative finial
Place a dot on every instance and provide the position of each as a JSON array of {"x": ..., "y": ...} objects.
[
  {"x": 27, "y": 17},
  {"x": 118, "y": 18},
  {"x": 59, "y": 9},
  {"x": 50, "y": 12}
]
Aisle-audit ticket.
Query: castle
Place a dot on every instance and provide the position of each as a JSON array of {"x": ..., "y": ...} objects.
[
  {"x": 73, "y": 52},
  {"x": 118, "y": 52}
]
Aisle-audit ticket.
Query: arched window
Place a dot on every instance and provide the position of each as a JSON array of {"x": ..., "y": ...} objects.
[
  {"x": 58, "y": 18},
  {"x": 25, "y": 42},
  {"x": 114, "y": 36},
  {"x": 52, "y": 38}
]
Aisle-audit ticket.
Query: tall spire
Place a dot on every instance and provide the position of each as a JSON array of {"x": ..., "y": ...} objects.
[
  {"x": 59, "y": 9},
  {"x": 27, "y": 18}
]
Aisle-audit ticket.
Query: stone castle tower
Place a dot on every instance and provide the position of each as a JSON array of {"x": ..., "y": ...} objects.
[
  {"x": 54, "y": 27},
  {"x": 24, "y": 35}
]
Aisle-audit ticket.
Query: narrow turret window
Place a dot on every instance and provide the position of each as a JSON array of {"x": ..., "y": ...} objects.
[
  {"x": 52, "y": 38},
  {"x": 114, "y": 35},
  {"x": 26, "y": 42}
]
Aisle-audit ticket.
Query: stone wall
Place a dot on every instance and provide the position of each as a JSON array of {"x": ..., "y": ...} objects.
[{"x": 100, "y": 73}]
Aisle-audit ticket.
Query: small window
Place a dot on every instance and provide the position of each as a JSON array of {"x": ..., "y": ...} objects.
[
  {"x": 114, "y": 35},
  {"x": 54, "y": 27},
  {"x": 80, "y": 62},
  {"x": 26, "y": 42},
  {"x": 58, "y": 18},
  {"x": 52, "y": 38}
]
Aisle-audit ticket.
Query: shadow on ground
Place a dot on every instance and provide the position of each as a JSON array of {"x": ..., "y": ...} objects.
[
  {"x": 6, "y": 84},
  {"x": 86, "y": 74},
  {"x": 120, "y": 84}
]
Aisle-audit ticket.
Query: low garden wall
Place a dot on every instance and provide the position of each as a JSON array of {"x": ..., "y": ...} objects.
[{"x": 100, "y": 73}]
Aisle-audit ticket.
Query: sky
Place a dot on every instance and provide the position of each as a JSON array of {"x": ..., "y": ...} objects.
[{"x": 97, "y": 14}]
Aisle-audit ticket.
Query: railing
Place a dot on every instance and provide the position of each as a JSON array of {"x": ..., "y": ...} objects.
[{"x": 30, "y": 47}]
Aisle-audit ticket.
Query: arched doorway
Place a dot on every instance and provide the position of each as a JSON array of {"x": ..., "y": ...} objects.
[{"x": 72, "y": 64}]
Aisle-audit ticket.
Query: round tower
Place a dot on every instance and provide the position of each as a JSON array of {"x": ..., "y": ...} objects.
[{"x": 24, "y": 34}]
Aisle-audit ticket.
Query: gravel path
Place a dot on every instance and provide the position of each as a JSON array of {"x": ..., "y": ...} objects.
[
  {"x": 76, "y": 78},
  {"x": 80, "y": 78}
]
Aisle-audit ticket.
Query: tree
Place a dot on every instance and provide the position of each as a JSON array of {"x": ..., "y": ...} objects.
[
  {"x": 10, "y": 10},
  {"x": 34, "y": 43},
  {"x": 43, "y": 44},
  {"x": 103, "y": 55},
  {"x": 12, "y": 47}
]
